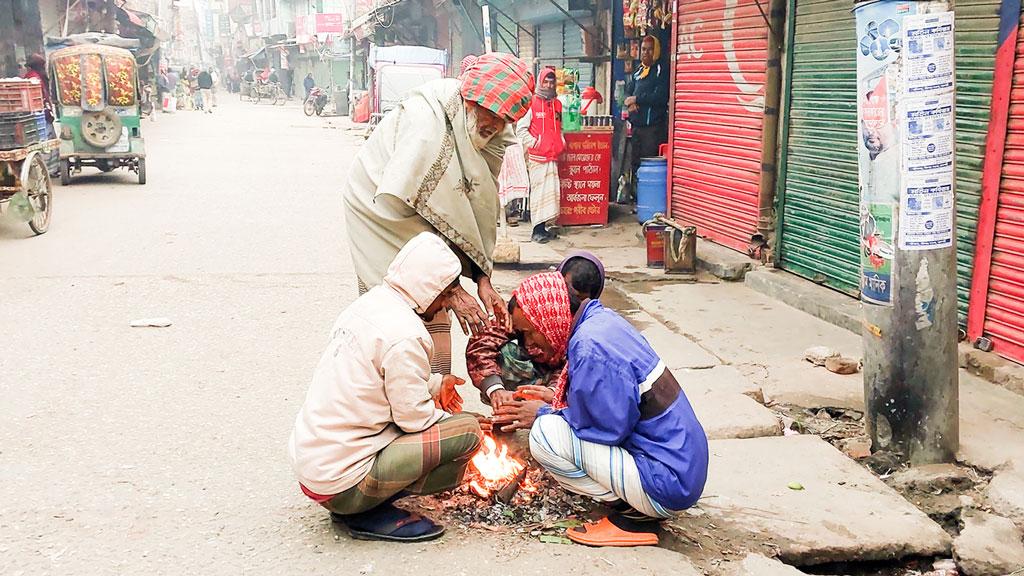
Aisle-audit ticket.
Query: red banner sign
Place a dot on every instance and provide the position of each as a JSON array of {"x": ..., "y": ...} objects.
[
  {"x": 330, "y": 23},
  {"x": 584, "y": 172}
]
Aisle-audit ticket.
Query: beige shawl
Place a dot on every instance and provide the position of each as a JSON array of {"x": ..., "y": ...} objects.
[{"x": 418, "y": 172}]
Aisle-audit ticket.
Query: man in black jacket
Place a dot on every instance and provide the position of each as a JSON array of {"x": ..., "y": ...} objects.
[
  {"x": 647, "y": 102},
  {"x": 205, "y": 81}
]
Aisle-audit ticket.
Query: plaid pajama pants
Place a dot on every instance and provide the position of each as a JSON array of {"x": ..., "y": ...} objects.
[{"x": 426, "y": 462}]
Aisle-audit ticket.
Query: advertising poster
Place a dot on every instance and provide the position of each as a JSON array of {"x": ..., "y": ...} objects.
[
  {"x": 879, "y": 87},
  {"x": 926, "y": 217},
  {"x": 928, "y": 62},
  {"x": 877, "y": 229},
  {"x": 926, "y": 198}
]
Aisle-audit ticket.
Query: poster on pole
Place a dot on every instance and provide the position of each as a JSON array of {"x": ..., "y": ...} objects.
[
  {"x": 878, "y": 149},
  {"x": 926, "y": 194},
  {"x": 926, "y": 217},
  {"x": 928, "y": 59}
]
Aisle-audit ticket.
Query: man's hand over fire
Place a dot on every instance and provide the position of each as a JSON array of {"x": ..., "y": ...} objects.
[
  {"x": 500, "y": 397},
  {"x": 517, "y": 415},
  {"x": 534, "y": 392}
]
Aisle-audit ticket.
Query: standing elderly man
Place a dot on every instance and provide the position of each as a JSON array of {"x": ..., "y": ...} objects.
[
  {"x": 431, "y": 165},
  {"x": 540, "y": 131}
]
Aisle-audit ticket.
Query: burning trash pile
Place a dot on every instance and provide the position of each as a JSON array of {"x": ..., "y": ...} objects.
[{"x": 503, "y": 490}]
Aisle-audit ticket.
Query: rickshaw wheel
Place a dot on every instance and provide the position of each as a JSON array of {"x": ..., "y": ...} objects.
[
  {"x": 141, "y": 169},
  {"x": 35, "y": 180},
  {"x": 256, "y": 95},
  {"x": 279, "y": 96},
  {"x": 309, "y": 107},
  {"x": 65, "y": 172}
]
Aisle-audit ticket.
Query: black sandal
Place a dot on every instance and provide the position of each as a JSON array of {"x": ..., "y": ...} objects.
[{"x": 388, "y": 523}]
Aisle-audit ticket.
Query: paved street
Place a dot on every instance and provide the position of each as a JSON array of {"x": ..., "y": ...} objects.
[{"x": 162, "y": 451}]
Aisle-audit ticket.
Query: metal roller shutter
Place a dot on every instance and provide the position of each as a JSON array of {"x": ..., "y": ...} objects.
[
  {"x": 818, "y": 189},
  {"x": 1003, "y": 321},
  {"x": 560, "y": 44},
  {"x": 717, "y": 115},
  {"x": 976, "y": 36},
  {"x": 818, "y": 183}
]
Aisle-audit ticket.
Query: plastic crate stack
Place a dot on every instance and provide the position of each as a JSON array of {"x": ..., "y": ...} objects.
[{"x": 22, "y": 117}]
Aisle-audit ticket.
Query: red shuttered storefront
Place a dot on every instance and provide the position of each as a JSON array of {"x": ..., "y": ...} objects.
[
  {"x": 718, "y": 119},
  {"x": 997, "y": 292}
]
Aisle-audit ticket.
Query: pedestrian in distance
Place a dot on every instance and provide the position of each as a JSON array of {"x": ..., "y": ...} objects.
[
  {"x": 647, "y": 103},
  {"x": 377, "y": 424},
  {"x": 308, "y": 83},
  {"x": 205, "y": 82}
]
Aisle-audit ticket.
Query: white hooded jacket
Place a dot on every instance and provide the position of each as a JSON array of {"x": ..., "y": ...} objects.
[{"x": 373, "y": 382}]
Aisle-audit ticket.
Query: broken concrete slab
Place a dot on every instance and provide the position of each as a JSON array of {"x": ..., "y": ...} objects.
[
  {"x": 758, "y": 565},
  {"x": 676, "y": 350},
  {"x": 843, "y": 512},
  {"x": 731, "y": 415},
  {"x": 991, "y": 425},
  {"x": 718, "y": 379},
  {"x": 988, "y": 545},
  {"x": 762, "y": 338},
  {"x": 1005, "y": 495},
  {"x": 931, "y": 477}
]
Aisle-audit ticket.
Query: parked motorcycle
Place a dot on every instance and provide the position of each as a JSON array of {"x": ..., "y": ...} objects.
[{"x": 316, "y": 102}]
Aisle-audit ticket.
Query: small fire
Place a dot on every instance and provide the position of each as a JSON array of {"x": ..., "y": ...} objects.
[{"x": 494, "y": 469}]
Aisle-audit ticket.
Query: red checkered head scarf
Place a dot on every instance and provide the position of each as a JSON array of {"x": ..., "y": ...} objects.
[
  {"x": 500, "y": 83},
  {"x": 467, "y": 63},
  {"x": 544, "y": 299}
]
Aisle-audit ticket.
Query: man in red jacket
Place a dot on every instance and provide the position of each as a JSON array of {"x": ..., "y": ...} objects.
[{"x": 541, "y": 134}]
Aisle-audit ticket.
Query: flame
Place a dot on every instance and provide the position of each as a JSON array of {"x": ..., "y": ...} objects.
[{"x": 494, "y": 468}]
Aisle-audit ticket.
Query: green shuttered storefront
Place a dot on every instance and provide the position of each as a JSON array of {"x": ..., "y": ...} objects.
[
  {"x": 818, "y": 188},
  {"x": 818, "y": 234}
]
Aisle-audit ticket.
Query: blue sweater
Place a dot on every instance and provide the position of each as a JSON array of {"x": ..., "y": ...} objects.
[{"x": 608, "y": 360}]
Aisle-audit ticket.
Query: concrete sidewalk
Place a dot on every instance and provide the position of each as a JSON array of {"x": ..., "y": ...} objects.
[{"x": 740, "y": 356}]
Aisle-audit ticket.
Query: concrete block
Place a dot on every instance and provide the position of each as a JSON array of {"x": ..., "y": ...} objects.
[
  {"x": 843, "y": 513},
  {"x": 1005, "y": 495},
  {"x": 722, "y": 262},
  {"x": 731, "y": 415},
  {"x": 988, "y": 545},
  {"x": 720, "y": 378},
  {"x": 931, "y": 477},
  {"x": 758, "y": 565}
]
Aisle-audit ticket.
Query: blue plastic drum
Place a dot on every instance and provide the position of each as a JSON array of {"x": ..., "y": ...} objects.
[{"x": 651, "y": 190}]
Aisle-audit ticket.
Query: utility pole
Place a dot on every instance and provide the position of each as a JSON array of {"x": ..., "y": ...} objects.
[
  {"x": 906, "y": 144},
  {"x": 485, "y": 12}
]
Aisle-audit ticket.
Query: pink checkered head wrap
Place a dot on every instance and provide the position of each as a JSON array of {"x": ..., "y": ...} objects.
[
  {"x": 467, "y": 63},
  {"x": 501, "y": 83},
  {"x": 544, "y": 299}
]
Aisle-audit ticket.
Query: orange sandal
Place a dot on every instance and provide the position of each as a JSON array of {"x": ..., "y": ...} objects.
[{"x": 604, "y": 533}]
